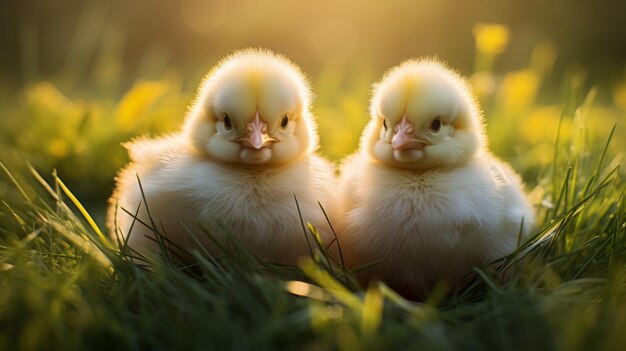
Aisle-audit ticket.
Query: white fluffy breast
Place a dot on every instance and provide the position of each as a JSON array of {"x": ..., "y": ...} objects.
[
  {"x": 255, "y": 205},
  {"x": 422, "y": 205},
  {"x": 424, "y": 227}
]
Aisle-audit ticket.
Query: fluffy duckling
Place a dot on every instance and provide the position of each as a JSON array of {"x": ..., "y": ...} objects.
[
  {"x": 246, "y": 148},
  {"x": 423, "y": 197}
]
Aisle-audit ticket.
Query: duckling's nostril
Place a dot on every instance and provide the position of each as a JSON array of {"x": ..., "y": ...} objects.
[{"x": 405, "y": 126}]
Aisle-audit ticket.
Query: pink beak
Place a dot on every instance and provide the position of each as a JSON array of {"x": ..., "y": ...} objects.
[
  {"x": 404, "y": 138},
  {"x": 256, "y": 134}
]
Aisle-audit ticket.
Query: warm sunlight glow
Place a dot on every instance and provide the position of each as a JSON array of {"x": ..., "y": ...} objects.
[
  {"x": 203, "y": 16},
  {"x": 312, "y": 175},
  {"x": 307, "y": 290}
]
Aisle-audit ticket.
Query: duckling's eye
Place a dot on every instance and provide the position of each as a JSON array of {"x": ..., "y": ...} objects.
[
  {"x": 284, "y": 122},
  {"x": 435, "y": 125},
  {"x": 227, "y": 122},
  {"x": 385, "y": 123}
]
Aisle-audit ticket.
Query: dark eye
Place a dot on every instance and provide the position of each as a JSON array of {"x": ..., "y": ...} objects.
[
  {"x": 385, "y": 123},
  {"x": 227, "y": 122},
  {"x": 284, "y": 122},
  {"x": 435, "y": 125}
]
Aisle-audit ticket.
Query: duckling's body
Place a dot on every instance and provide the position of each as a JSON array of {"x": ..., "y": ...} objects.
[
  {"x": 423, "y": 198},
  {"x": 230, "y": 171}
]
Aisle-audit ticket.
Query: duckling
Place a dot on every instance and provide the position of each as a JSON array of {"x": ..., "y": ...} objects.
[
  {"x": 247, "y": 147},
  {"x": 423, "y": 198}
]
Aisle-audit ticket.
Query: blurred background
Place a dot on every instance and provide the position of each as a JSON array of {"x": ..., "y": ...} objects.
[
  {"x": 78, "y": 77},
  {"x": 84, "y": 41}
]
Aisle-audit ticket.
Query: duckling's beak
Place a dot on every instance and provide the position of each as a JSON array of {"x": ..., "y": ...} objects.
[
  {"x": 404, "y": 137},
  {"x": 256, "y": 136}
]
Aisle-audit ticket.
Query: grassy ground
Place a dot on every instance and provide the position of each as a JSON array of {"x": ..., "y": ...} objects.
[{"x": 64, "y": 286}]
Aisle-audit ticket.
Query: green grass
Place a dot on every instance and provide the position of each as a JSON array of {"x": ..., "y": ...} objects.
[{"x": 63, "y": 285}]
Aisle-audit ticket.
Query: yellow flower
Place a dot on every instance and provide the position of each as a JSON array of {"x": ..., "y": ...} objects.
[
  {"x": 540, "y": 125},
  {"x": 138, "y": 101},
  {"x": 491, "y": 38},
  {"x": 46, "y": 95},
  {"x": 519, "y": 89},
  {"x": 58, "y": 148}
]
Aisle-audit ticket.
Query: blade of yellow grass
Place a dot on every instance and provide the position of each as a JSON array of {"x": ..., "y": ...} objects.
[
  {"x": 85, "y": 244},
  {"x": 333, "y": 286},
  {"x": 372, "y": 310},
  {"x": 52, "y": 193},
  {"x": 83, "y": 211},
  {"x": 418, "y": 310},
  {"x": 56, "y": 198},
  {"x": 19, "y": 219},
  {"x": 307, "y": 290}
]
